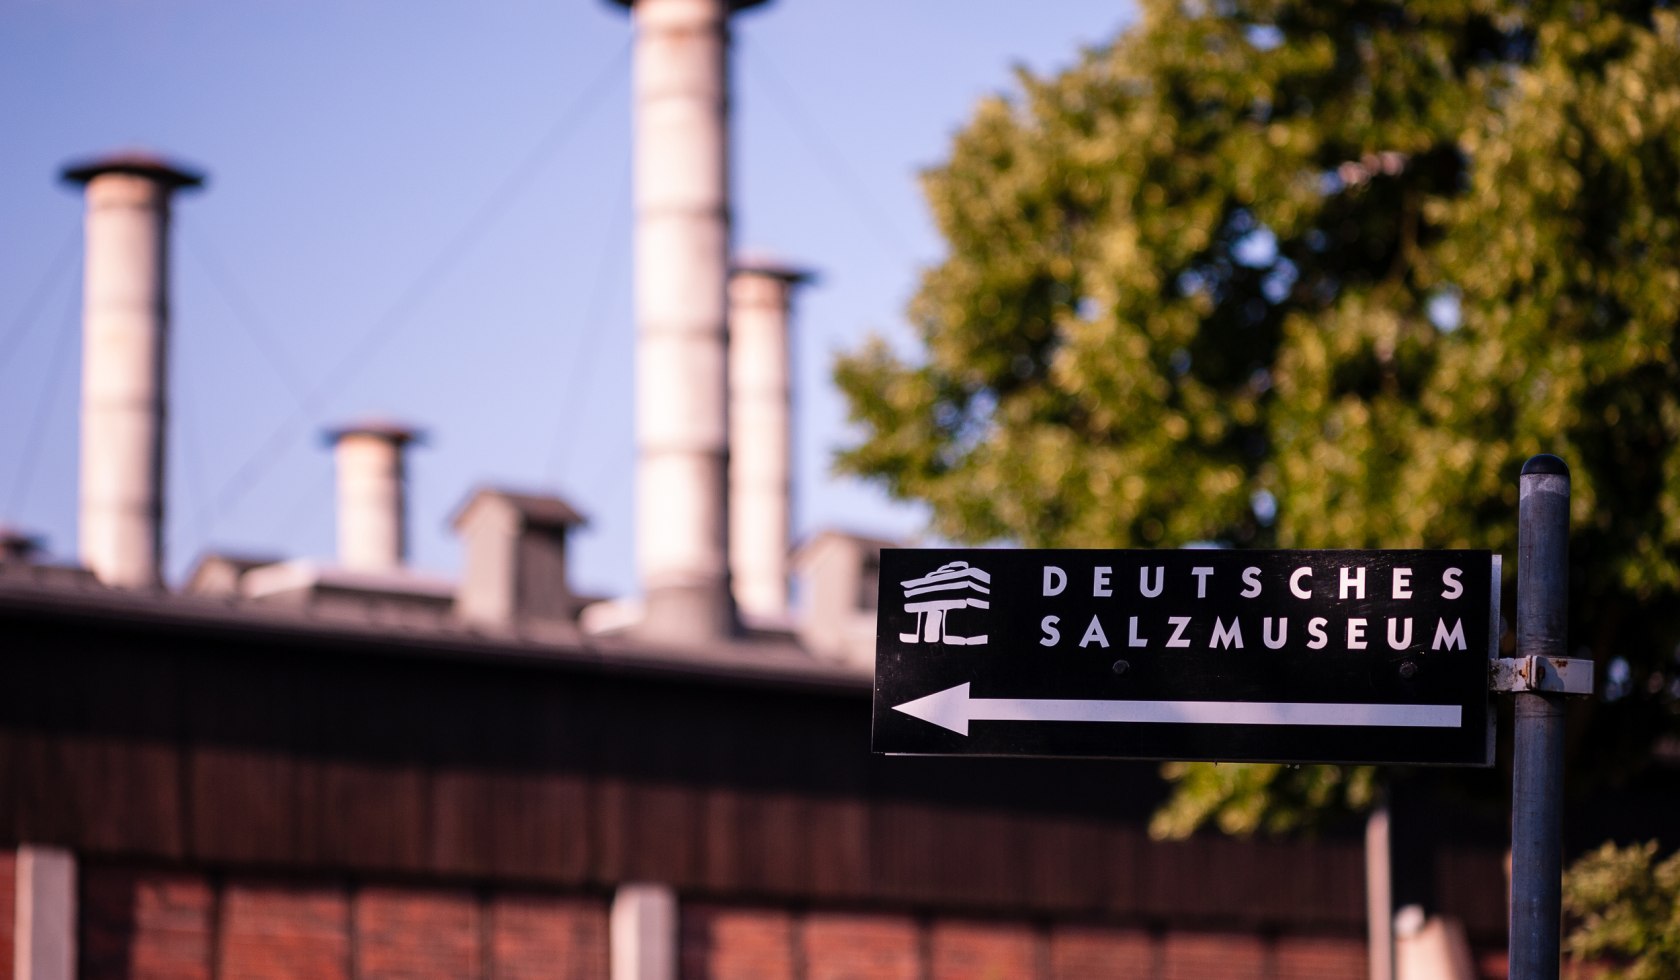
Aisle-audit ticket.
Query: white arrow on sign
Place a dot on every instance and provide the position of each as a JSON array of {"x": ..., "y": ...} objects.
[{"x": 952, "y": 708}]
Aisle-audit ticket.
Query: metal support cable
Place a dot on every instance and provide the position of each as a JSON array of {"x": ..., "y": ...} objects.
[
  {"x": 257, "y": 328},
  {"x": 828, "y": 156},
  {"x": 572, "y": 413},
  {"x": 249, "y": 473},
  {"x": 192, "y": 463},
  {"x": 14, "y": 336},
  {"x": 51, "y": 388}
]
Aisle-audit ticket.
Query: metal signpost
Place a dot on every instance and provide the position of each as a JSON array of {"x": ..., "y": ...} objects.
[
  {"x": 1274, "y": 656},
  {"x": 1540, "y": 677}
]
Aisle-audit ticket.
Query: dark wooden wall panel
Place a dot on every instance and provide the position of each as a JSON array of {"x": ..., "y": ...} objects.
[
  {"x": 108, "y": 793},
  {"x": 244, "y": 806},
  {"x": 839, "y": 849},
  {"x": 366, "y": 813},
  {"x": 903, "y": 837},
  {"x": 776, "y": 843},
  {"x": 510, "y": 825}
]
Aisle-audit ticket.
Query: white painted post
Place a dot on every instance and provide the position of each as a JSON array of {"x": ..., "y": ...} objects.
[
  {"x": 1379, "y": 893},
  {"x": 45, "y": 923},
  {"x": 643, "y": 932}
]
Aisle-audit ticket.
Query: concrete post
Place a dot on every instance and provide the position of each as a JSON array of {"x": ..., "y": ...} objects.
[
  {"x": 45, "y": 915},
  {"x": 760, "y": 439},
  {"x": 125, "y": 341},
  {"x": 681, "y": 166},
  {"x": 372, "y": 497},
  {"x": 643, "y": 932}
]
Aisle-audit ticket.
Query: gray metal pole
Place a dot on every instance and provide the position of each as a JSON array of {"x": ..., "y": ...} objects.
[{"x": 1537, "y": 762}]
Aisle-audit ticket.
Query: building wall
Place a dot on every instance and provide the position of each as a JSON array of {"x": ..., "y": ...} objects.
[
  {"x": 269, "y": 803},
  {"x": 319, "y": 760}
]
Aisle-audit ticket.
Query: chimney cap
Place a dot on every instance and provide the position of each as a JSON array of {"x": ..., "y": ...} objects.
[
  {"x": 139, "y": 163},
  {"x": 768, "y": 264},
  {"x": 734, "y": 5},
  {"x": 535, "y": 509},
  {"x": 399, "y": 433}
]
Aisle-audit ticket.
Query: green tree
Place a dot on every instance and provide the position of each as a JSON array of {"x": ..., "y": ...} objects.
[
  {"x": 1627, "y": 911},
  {"x": 1315, "y": 275}
]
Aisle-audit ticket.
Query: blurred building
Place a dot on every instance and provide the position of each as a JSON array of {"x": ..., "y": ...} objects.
[{"x": 344, "y": 768}]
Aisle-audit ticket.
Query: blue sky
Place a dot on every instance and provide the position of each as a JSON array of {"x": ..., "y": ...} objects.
[{"x": 421, "y": 211}]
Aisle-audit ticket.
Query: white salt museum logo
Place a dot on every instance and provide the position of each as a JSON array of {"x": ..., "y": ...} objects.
[{"x": 933, "y": 614}]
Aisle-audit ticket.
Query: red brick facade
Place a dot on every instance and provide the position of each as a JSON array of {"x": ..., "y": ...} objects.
[
  {"x": 144, "y": 923},
  {"x": 727, "y": 943},
  {"x": 140, "y": 924}
]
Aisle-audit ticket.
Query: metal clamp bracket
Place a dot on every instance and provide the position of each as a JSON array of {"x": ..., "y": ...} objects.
[{"x": 1550, "y": 675}]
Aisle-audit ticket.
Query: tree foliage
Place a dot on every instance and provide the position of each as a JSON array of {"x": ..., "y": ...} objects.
[
  {"x": 1627, "y": 910},
  {"x": 1283, "y": 274}
]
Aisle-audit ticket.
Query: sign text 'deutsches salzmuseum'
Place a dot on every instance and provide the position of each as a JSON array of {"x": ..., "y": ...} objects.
[{"x": 1286, "y": 656}]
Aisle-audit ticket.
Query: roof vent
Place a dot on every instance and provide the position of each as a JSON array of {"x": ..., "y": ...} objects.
[{"x": 515, "y": 568}]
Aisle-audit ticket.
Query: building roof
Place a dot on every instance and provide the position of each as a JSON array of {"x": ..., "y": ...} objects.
[{"x": 743, "y": 661}]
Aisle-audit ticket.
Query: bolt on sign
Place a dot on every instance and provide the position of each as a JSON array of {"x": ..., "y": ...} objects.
[{"x": 1274, "y": 656}]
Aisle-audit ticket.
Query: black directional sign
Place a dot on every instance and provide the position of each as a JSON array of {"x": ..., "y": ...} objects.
[{"x": 1280, "y": 656}]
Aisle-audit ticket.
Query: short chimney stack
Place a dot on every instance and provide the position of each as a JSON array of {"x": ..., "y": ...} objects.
[
  {"x": 760, "y": 434},
  {"x": 372, "y": 494},
  {"x": 125, "y": 343}
]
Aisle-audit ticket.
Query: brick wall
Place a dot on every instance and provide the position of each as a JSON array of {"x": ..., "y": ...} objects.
[
  {"x": 143, "y": 923},
  {"x": 408, "y": 933},
  {"x": 842, "y": 946},
  {"x": 733, "y": 943}
]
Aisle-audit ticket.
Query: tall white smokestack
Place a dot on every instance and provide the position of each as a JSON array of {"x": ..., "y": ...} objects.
[
  {"x": 760, "y": 440},
  {"x": 125, "y": 343},
  {"x": 372, "y": 494},
  {"x": 681, "y": 94}
]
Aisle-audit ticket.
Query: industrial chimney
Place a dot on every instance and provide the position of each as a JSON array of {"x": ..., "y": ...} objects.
[
  {"x": 125, "y": 342},
  {"x": 681, "y": 95},
  {"x": 372, "y": 494},
  {"x": 760, "y": 442}
]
